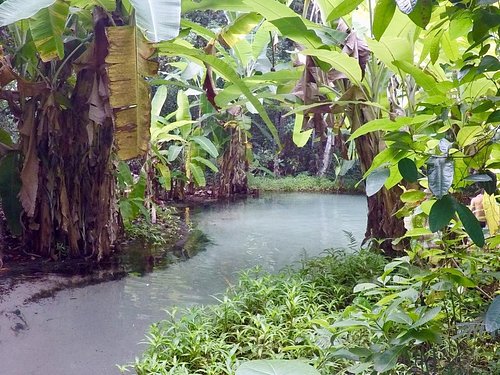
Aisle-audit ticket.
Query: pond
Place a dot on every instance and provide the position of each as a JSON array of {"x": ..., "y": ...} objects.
[{"x": 87, "y": 330}]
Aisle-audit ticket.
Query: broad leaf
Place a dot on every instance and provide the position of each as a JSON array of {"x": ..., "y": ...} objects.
[
  {"x": 128, "y": 65},
  {"x": 5, "y": 138},
  {"x": 206, "y": 144},
  {"x": 412, "y": 196},
  {"x": 109, "y": 5},
  {"x": 227, "y": 72},
  {"x": 276, "y": 367},
  {"x": 300, "y": 138},
  {"x": 47, "y": 27},
  {"x": 240, "y": 28},
  {"x": 385, "y": 361},
  {"x": 390, "y": 49},
  {"x": 469, "y": 134},
  {"x": 471, "y": 224},
  {"x": 440, "y": 175},
  {"x": 166, "y": 176},
  {"x": 345, "y": 7},
  {"x": 376, "y": 180},
  {"x": 15, "y": 10},
  {"x": 226, "y": 5},
  {"x": 384, "y": 11},
  {"x": 158, "y": 19},
  {"x": 173, "y": 152},
  {"x": 492, "y": 318},
  {"x": 426, "y": 81},
  {"x": 340, "y": 61},
  {"x": 10, "y": 185},
  {"x": 441, "y": 213},
  {"x": 384, "y": 124},
  {"x": 198, "y": 174},
  {"x": 157, "y": 103},
  {"x": 289, "y": 23},
  {"x": 421, "y": 14},
  {"x": 408, "y": 169},
  {"x": 206, "y": 162}
]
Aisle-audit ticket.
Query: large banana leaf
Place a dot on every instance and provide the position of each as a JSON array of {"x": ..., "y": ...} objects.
[
  {"x": 289, "y": 23},
  {"x": 226, "y": 72},
  {"x": 128, "y": 64},
  {"x": 227, "y": 5},
  {"x": 47, "y": 27},
  {"x": 240, "y": 28},
  {"x": 158, "y": 19},
  {"x": 15, "y": 10}
]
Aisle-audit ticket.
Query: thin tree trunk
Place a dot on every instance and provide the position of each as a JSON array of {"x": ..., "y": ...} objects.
[{"x": 327, "y": 155}]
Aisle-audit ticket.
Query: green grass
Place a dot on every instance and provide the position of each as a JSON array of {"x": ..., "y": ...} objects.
[{"x": 298, "y": 183}]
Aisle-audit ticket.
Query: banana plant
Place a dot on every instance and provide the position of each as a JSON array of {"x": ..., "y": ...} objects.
[
  {"x": 182, "y": 143},
  {"x": 80, "y": 90}
]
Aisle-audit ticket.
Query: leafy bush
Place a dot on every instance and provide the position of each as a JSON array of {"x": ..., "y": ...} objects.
[
  {"x": 342, "y": 314},
  {"x": 265, "y": 316}
]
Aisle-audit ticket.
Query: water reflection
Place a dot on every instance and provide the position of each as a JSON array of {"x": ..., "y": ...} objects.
[{"x": 88, "y": 330}]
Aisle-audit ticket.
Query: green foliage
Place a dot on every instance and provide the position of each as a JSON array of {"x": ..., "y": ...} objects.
[
  {"x": 263, "y": 317},
  {"x": 302, "y": 182},
  {"x": 166, "y": 230},
  {"x": 10, "y": 185}
]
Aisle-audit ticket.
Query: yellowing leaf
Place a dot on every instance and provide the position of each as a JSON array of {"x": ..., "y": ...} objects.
[
  {"x": 47, "y": 27},
  {"x": 128, "y": 64}
]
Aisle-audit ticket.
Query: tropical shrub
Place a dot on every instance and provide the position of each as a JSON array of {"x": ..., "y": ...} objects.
[{"x": 263, "y": 316}]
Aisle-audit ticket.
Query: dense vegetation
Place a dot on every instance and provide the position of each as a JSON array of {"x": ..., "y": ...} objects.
[
  {"x": 406, "y": 91},
  {"x": 342, "y": 313}
]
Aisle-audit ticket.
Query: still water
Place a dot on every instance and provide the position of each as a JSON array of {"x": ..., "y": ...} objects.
[{"x": 86, "y": 331}]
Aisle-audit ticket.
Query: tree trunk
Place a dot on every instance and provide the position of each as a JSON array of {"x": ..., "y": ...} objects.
[
  {"x": 327, "y": 154},
  {"x": 69, "y": 200},
  {"x": 382, "y": 223},
  {"x": 234, "y": 166}
]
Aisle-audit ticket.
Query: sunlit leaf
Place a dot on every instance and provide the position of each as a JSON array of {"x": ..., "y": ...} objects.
[
  {"x": 300, "y": 138},
  {"x": 340, "y": 61},
  {"x": 198, "y": 174},
  {"x": 384, "y": 11},
  {"x": 345, "y": 7},
  {"x": 166, "y": 177}
]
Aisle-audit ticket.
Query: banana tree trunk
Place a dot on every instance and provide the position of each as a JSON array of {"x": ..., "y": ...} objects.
[
  {"x": 234, "y": 166},
  {"x": 382, "y": 224},
  {"x": 68, "y": 175}
]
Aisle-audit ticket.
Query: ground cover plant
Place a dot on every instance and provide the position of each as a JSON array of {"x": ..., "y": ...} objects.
[{"x": 343, "y": 314}]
